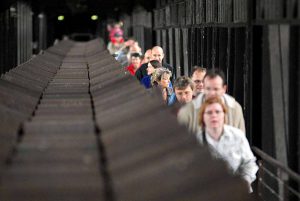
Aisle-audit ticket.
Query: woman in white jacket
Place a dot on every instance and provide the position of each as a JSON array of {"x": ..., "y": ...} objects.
[{"x": 224, "y": 141}]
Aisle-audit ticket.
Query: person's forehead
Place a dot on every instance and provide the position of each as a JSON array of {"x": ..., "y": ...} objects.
[
  {"x": 148, "y": 53},
  {"x": 135, "y": 58},
  {"x": 216, "y": 79},
  {"x": 157, "y": 51},
  {"x": 198, "y": 74},
  {"x": 166, "y": 75},
  {"x": 188, "y": 88},
  {"x": 213, "y": 106}
]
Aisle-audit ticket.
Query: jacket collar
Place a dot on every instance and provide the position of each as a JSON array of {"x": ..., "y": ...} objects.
[{"x": 229, "y": 100}]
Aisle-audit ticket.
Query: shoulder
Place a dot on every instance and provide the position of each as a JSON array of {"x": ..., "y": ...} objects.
[
  {"x": 186, "y": 110},
  {"x": 143, "y": 66},
  {"x": 167, "y": 65},
  {"x": 145, "y": 78},
  {"x": 197, "y": 102},
  {"x": 130, "y": 66},
  {"x": 231, "y": 102},
  {"x": 235, "y": 133},
  {"x": 193, "y": 105},
  {"x": 172, "y": 99}
]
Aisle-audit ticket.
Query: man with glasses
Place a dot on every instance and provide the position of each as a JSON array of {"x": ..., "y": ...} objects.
[
  {"x": 198, "y": 74},
  {"x": 214, "y": 86}
]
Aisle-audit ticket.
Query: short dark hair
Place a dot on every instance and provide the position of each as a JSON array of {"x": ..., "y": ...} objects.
[
  {"x": 183, "y": 82},
  {"x": 135, "y": 54},
  {"x": 198, "y": 69},
  {"x": 155, "y": 64},
  {"x": 215, "y": 72}
]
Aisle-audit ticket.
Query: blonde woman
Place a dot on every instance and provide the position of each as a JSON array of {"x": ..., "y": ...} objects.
[
  {"x": 224, "y": 141},
  {"x": 161, "y": 78}
]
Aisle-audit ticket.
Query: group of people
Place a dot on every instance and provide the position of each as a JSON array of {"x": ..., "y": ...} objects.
[
  {"x": 205, "y": 108},
  {"x": 123, "y": 49}
]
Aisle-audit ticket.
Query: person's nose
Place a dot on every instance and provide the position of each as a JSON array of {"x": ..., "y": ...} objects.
[
  {"x": 182, "y": 97},
  {"x": 214, "y": 114}
]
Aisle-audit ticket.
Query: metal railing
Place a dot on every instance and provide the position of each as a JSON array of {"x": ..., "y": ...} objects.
[{"x": 275, "y": 180}]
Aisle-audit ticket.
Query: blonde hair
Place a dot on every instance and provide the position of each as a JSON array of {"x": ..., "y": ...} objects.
[{"x": 158, "y": 73}]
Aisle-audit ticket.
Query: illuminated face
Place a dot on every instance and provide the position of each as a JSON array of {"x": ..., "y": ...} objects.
[
  {"x": 147, "y": 56},
  {"x": 213, "y": 87},
  {"x": 165, "y": 80},
  {"x": 157, "y": 54},
  {"x": 136, "y": 61},
  {"x": 214, "y": 116},
  {"x": 197, "y": 78},
  {"x": 184, "y": 95},
  {"x": 150, "y": 69}
]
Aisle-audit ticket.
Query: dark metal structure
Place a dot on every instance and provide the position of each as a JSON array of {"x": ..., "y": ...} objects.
[
  {"x": 255, "y": 42},
  {"x": 16, "y": 35}
]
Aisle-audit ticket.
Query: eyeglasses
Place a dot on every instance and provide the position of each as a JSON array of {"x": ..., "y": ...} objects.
[
  {"x": 211, "y": 112},
  {"x": 198, "y": 81}
]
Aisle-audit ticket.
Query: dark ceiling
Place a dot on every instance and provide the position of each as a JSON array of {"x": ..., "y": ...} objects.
[
  {"x": 104, "y": 8},
  {"x": 78, "y": 13}
]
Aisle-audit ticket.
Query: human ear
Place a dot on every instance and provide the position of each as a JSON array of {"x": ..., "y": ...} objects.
[{"x": 225, "y": 88}]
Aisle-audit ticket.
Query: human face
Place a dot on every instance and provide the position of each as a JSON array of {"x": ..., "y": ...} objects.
[
  {"x": 150, "y": 69},
  {"x": 184, "y": 95},
  {"x": 136, "y": 61},
  {"x": 147, "y": 56},
  {"x": 197, "y": 78},
  {"x": 214, "y": 116},
  {"x": 118, "y": 38},
  {"x": 135, "y": 47},
  {"x": 157, "y": 54},
  {"x": 214, "y": 87},
  {"x": 165, "y": 80}
]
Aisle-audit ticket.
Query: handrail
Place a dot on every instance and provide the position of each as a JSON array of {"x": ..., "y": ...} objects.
[{"x": 276, "y": 163}]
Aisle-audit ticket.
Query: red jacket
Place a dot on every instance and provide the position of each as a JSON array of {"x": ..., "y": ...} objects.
[{"x": 130, "y": 68}]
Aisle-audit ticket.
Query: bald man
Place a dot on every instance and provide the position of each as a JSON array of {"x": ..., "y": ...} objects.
[{"x": 157, "y": 53}]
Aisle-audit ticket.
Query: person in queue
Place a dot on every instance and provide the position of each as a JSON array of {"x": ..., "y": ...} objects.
[
  {"x": 152, "y": 65},
  {"x": 214, "y": 86},
  {"x": 157, "y": 53},
  {"x": 161, "y": 78},
  {"x": 135, "y": 59},
  {"x": 197, "y": 77},
  {"x": 147, "y": 56},
  {"x": 116, "y": 42},
  {"x": 123, "y": 56},
  {"x": 183, "y": 87},
  {"x": 224, "y": 141}
]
